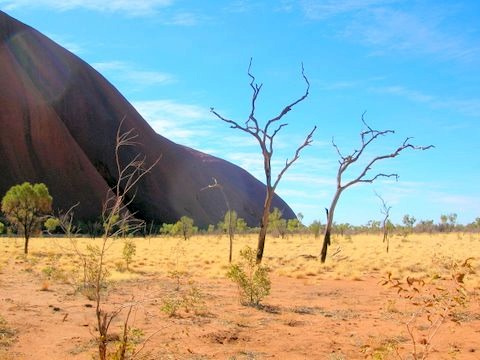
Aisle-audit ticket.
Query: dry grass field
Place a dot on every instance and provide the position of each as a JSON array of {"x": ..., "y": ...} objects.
[{"x": 336, "y": 310}]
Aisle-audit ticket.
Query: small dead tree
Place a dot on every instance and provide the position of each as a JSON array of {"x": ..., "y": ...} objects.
[
  {"x": 385, "y": 210},
  {"x": 116, "y": 220},
  {"x": 230, "y": 225},
  {"x": 367, "y": 136},
  {"x": 265, "y": 137}
]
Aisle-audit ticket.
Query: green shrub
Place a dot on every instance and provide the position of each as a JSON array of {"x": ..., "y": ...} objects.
[
  {"x": 252, "y": 279},
  {"x": 52, "y": 224},
  {"x": 129, "y": 251}
]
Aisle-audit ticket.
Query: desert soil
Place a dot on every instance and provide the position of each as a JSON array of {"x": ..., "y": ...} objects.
[{"x": 305, "y": 317}]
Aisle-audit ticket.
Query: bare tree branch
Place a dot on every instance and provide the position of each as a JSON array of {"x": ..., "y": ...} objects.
[
  {"x": 367, "y": 136},
  {"x": 265, "y": 138},
  {"x": 288, "y": 163}
]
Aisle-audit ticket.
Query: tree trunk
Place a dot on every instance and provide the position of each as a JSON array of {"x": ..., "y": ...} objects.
[
  {"x": 25, "y": 249},
  {"x": 264, "y": 224},
  {"x": 326, "y": 244},
  {"x": 328, "y": 225},
  {"x": 231, "y": 247}
]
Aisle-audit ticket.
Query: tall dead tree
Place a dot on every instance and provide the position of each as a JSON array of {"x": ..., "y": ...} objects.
[
  {"x": 265, "y": 137},
  {"x": 367, "y": 136}
]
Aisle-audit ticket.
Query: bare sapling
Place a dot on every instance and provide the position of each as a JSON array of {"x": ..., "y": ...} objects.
[
  {"x": 116, "y": 220},
  {"x": 71, "y": 232},
  {"x": 231, "y": 219},
  {"x": 367, "y": 137},
  {"x": 385, "y": 210},
  {"x": 265, "y": 137}
]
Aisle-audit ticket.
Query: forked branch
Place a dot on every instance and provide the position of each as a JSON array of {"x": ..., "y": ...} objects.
[
  {"x": 367, "y": 137},
  {"x": 265, "y": 137}
]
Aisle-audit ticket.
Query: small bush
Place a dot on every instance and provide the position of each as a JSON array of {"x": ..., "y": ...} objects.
[
  {"x": 7, "y": 334},
  {"x": 126, "y": 346},
  {"x": 252, "y": 279},
  {"x": 190, "y": 300},
  {"x": 129, "y": 251}
]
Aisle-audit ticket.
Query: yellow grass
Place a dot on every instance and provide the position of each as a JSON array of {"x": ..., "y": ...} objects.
[{"x": 419, "y": 255}]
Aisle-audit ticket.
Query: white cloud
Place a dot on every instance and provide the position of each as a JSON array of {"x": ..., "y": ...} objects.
[
  {"x": 411, "y": 30},
  {"x": 172, "y": 109},
  {"x": 183, "y": 19},
  {"x": 470, "y": 107},
  {"x": 133, "y": 8},
  {"x": 240, "y": 6},
  {"x": 178, "y": 122},
  {"x": 457, "y": 202},
  {"x": 310, "y": 180},
  {"x": 304, "y": 194},
  {"x": 324, "y": 9},
  {"x": 66, "y": 43},
  {"x": 125, "y": 71}
]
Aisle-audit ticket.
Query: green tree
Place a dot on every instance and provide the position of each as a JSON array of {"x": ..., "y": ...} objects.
[
  {"x": 373, "y": 225},
  {"x": 425, "y": 226},
  {"x": 276, "y": 223},
  {"x": 242, "y": 226},
  {"x": 184, "y": 227},
  {"x": 25, "y": 206},
  {"x": 230, "y": 224},
  {"x": 315, "y": 228},
  {"x": 452, "y": 220},
  {"x": 293, "y": 225},
  {"x": 408, "y": 222},
  {"x": 476, "y": 223},
  {"x": 167, "y": 229},
  {"x": 2, "y": 227}
]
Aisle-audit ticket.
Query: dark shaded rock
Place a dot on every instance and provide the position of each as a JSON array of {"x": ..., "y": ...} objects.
[{"x": 59, "y": 119}]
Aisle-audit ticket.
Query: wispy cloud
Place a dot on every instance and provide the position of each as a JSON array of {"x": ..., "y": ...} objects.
[
  {"x": 390, "y": 25},
  {"x": 470, "y": 107},
  {"x": 183, "y": 19},
  {"x": 177, "y": 121},
  {"x": 310, "y": 180},
  {"x": 68, "y": 44},
  {"x": 456, "y": 202},
  {"x": 129, "y": 73},
  {"x": 325, "y": 9},
  {"x": 132, "y": 8},
  {"x": 240, "y": 6}
]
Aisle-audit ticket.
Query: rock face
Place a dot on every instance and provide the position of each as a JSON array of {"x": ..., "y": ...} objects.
[{"x": 58, "y": 123}]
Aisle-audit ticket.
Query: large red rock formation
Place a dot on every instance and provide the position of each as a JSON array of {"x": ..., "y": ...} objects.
[{"x": 58, "y": 123}]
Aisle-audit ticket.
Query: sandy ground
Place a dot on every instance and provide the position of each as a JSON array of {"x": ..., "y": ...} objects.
[{"x": 307, "y": 316}]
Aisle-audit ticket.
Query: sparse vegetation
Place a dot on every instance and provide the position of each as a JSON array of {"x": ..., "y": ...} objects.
[
  {"x": 7, "y": 335},
  {"x": 307, "y": 297},
  {"x": 434, "y": 301}
]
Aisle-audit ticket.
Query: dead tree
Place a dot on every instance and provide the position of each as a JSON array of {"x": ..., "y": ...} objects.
[
  {"x": 367, "y": 136},
  {"x": 117, "y": 219},
  {"x": 385, "y": 210},
  {"x": 265, "y": 137},
  {"x": 230, "y": 226}
]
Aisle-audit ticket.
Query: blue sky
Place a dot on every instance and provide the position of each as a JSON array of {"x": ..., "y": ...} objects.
[{"x": 412, "y": 65}]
